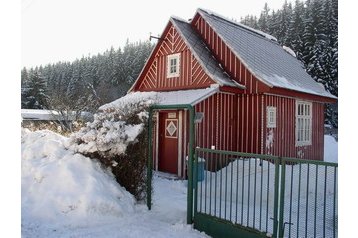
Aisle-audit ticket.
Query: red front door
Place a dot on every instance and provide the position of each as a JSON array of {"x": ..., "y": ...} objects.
[{"x": 168, "y": 142}]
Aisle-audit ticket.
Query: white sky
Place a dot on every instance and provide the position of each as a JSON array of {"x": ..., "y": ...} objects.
[{"x": 63, "y": 30}]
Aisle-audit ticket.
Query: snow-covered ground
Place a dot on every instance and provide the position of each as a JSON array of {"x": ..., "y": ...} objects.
[
  {"x": 68, "y": 195},
  {"x": 243, "y": 192},
  {"x": 64, "y": 194}
]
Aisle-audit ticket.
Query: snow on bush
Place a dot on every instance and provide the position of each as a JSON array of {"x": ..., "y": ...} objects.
[
  {"x": 118, "y": 139},
  {"x": 115, "y": 126},
  {"x": 55, "y": 182}
]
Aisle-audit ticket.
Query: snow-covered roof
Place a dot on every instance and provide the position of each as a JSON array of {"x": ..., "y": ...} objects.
[
  {"x": 203, "y": 54},
  {"x": 191, "y": 97},
  {"x": 263, "y": 56},
  {"x": 40, "y": 114}
]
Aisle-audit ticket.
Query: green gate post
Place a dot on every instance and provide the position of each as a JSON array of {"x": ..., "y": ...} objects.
[
  {"x": 282, "y": 199},
  {"x": 190, "y": 159},
  {"x": 276, "y": 196},
  {"x": 189, "y": 217},
  {"x": 150, "y": 160}
]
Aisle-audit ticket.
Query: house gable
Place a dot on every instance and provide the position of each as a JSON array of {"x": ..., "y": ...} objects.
[{"x": 153, "y": 76}]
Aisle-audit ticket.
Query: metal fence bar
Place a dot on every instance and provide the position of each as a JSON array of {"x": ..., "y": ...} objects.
[
  {"x": 221, "y": 179},
  {"x": 296, "y": 192},
  {"x": 237, "y": 187},
  {"x": 267, "y": 194},
  {"x": 307, "y": 187},
  {"x": 282, "y": 199},
  {"x": 225, "y": 186},
  {"x": 232, "y": 172},
  {"x": 324, "y": 201},
  {"x": 195, "y": 183},
  {"x": 253, "y": 219},
  {"x": 216, "y": 167},
  {"x": 261, "y": 162},
  {"x": 276, "y": 198},
  {"x": 299, "y": 198},
  {"x": 205, "y": 194},
  {"x": 315, "y": 203},
  {"x": 334, "y": 202},
  {"x": 290, "y": 213},
  {"x": 242, "y": 191},
  {"x": 248, "y": 194},
  {"x": 201, "y": 193},
  {"x": 210, "y": 186}
]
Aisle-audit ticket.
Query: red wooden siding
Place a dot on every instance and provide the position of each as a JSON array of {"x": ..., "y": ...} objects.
[
  {"x": 249, "y": 123},
  {"x": 233, "y": 66},
  {"x": 283, "y": 136},
  {"x": 238, "y": 123},
  {"x": 231, "y": 122},
  {"x": 218, "y": 124},
  {"x": 191, "y": 75}
]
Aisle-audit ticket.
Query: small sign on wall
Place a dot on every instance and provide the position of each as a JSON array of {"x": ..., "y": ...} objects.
[{"x": 172, "y": 115}]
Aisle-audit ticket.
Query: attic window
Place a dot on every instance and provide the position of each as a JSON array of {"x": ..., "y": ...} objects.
[{"x": 173, "y": 63}]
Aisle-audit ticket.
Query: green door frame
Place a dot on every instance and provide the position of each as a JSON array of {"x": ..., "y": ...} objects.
[{"x": 190, "y": 108}]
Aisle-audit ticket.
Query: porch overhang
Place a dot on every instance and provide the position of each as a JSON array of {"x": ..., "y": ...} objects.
[{"x": 185, "y": 97}]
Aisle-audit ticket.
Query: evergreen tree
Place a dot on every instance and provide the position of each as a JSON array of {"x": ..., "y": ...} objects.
[
  {"x": 265, "y": 19},
  {"x": 283, "y": 21},
  {"x": 34, "y": 94},
  {"x": 296, "y": 29}
]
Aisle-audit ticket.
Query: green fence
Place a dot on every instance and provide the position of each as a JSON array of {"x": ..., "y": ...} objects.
[{"x": 263, "y": 196}]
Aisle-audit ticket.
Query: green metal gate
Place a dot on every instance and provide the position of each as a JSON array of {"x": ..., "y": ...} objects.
[{"x": 252, "y": 195}]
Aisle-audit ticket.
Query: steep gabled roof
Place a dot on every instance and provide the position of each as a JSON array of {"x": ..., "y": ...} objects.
[
  {"x": 202, "y": 53},
  {"x": 263, "y": 56}
]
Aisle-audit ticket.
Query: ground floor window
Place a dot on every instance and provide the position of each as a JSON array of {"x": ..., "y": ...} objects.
[{"x": 303, "y": 123}]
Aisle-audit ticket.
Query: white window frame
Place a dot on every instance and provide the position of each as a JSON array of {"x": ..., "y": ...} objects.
[
  {"x": 271, "y": 117},
  {"x": 176, "y": 73},
  {"x": 303, "y": 123}
]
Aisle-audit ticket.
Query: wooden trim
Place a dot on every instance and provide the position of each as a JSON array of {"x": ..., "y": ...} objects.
[
  {"x": 180, "y": 143},
  {"x": 157, "y": 141}
]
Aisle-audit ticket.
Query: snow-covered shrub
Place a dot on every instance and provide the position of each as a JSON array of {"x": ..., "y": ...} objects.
[{"x": 118, "y": 139}]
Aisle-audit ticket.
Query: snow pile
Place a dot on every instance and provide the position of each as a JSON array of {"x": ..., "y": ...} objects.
[
  {"x": 64, "y": 194},
  {"x": 58, "y": 185},
  {"x": 115, "y": 126}
]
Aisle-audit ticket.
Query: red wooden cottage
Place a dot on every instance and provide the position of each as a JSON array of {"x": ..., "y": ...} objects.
[{"x": 251, "y": 94}]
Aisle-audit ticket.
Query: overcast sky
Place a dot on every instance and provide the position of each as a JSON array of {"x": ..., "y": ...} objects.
[{"x": 63, "y": 30}]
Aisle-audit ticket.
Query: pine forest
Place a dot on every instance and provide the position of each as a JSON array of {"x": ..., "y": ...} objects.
[{"x": 309, "y": 28}]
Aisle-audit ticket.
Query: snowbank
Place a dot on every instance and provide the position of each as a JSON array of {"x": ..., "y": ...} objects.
[
  {"x": 64, "y": 194},
  {"x": 58, "y": 185}
]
